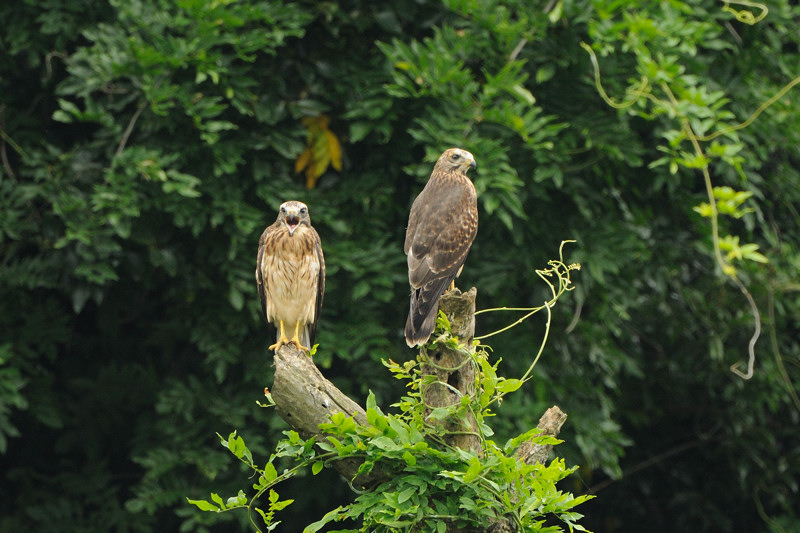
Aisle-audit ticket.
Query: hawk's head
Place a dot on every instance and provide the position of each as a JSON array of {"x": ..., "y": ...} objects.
[
  {"x": 456, "y": 159},
  {"x": 293, "y": 214}
]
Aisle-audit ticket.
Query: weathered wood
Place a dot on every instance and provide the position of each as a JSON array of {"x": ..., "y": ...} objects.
[
  {"x": 453, "y": 370},
  {"x": 304, "y": 399},
  {"x": 550, "y": 423}
]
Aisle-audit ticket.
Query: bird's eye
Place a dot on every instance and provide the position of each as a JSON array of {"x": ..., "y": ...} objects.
[
  {"x": 283, "y": 209},
  {"x": 303, "y": 210},
  {"x": 455, "y": 157}
]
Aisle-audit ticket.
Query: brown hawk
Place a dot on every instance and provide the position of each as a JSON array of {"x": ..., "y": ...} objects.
[
  {"x": 290, "y": 275},
  {"x": 441, "y": 227}
]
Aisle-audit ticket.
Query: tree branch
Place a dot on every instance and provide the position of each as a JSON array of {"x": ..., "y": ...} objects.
[
  {"x": 551, "y": 422},
  {"x": 304, "y": 399}
]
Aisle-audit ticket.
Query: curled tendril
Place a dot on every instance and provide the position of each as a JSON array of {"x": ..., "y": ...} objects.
[
  {"x": 562, "y": 284},
  {"x": 744, "y": 15}
]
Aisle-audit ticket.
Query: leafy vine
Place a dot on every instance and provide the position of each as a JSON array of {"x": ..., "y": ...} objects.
[{"x": 720, "y": 200}]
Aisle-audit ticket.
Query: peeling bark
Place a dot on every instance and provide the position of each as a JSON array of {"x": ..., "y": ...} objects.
[{"x": 453, "y": 370}]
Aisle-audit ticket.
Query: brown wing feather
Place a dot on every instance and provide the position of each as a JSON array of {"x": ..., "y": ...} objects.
[
  {"x": 317, "y": 247},
  {"x": 263, "y": 241},
  {"x": 443, "y": 221}
]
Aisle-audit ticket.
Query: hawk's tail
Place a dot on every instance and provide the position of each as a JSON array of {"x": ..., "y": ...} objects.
[
  {"x": 305, "y": 337},
  {"x": 419, "y": 328},
  {"x": 421, "y": 335},
  {"x": 423, "y": 309}
]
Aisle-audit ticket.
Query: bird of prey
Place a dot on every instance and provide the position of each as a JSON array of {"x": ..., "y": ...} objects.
[
  {"x": 290, "y": 275},
  {"x": 441, "y": 227}
]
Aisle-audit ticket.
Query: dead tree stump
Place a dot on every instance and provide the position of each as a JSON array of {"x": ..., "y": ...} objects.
[{"x": 453, "y": 371}]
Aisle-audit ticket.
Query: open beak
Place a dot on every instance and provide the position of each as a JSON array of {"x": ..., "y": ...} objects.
[{"x": 292, "y": 220}]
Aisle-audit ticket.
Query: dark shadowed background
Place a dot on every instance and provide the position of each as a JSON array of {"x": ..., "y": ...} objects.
[{"x": 145, "y": 144}]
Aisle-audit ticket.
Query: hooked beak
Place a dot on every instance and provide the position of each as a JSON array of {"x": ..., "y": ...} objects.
[{"x": 468, "y": 164}]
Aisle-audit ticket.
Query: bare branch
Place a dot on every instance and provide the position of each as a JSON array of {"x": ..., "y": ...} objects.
[
  {"x": 550, "y": 424},
  {"x": 304, "y": 399},
  {"x": 125, "y": 136}
]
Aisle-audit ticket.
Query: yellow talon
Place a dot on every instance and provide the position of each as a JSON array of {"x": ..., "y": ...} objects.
[
  {"x": 282, "y": 339},
  {"x": 296, "y": 338}
]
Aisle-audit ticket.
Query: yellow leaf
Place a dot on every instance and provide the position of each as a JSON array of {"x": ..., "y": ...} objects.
[
  {"x": 334, "y": 149},
  {"x": 302, "y": 161},
  {"x": 315, "y": 171},
  {"x": 311, "y": 179},
  {"x": 322, "y": 150},
  {"x": 320, "y": 147}
]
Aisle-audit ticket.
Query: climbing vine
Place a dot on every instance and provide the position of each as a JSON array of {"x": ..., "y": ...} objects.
[{"x": 664, "y": 88}]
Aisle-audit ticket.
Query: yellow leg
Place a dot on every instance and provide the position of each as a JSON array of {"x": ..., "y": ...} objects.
[
  {"x": 452, "y": 286},
  {"x": 296, "y": 338},
  {"x": 282, "y": 339}
]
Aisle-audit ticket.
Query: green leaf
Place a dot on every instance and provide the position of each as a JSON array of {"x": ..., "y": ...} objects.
[
  {"x": 474, "y": 470},
  {"x": 516, "y": 441},
  {"x": 204, "y": 505},
  {"x": 236, "y": 298},
  {"x": 385, "y": 443},
  {"x": 405, "y": 495},
  {"x": 523, "y": 94},
  {"x": 508, "y": 385},
  {"x": 409, "y": 458},
  {"x": 61, "y": 116},
  {"x": 319, "y": 524},
  {"x": 274, "y": 504},
  {"x": 216, "y": 498},
  {"x": 545, "y": 72},
  {"x": 237, "y": 501},
  {"x": 440, "y": 413},
  {"x": 270, "y": 473}
]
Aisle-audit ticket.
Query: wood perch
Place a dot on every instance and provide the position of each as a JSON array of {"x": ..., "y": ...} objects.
[
  {"x": 304, "y": 399},
  {"x": 455, "y": 375}
]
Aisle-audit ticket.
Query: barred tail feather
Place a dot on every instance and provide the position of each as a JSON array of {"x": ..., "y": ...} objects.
[{"x": 417, "y": 335}]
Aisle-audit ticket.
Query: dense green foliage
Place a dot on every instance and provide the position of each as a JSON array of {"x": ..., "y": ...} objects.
[
  {"x": 424, "y": 483},
  {"x": 145, "y": 144}
]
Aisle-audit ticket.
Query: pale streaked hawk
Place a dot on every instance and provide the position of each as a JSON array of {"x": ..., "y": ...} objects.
[{"x": 290, "y": 275}]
